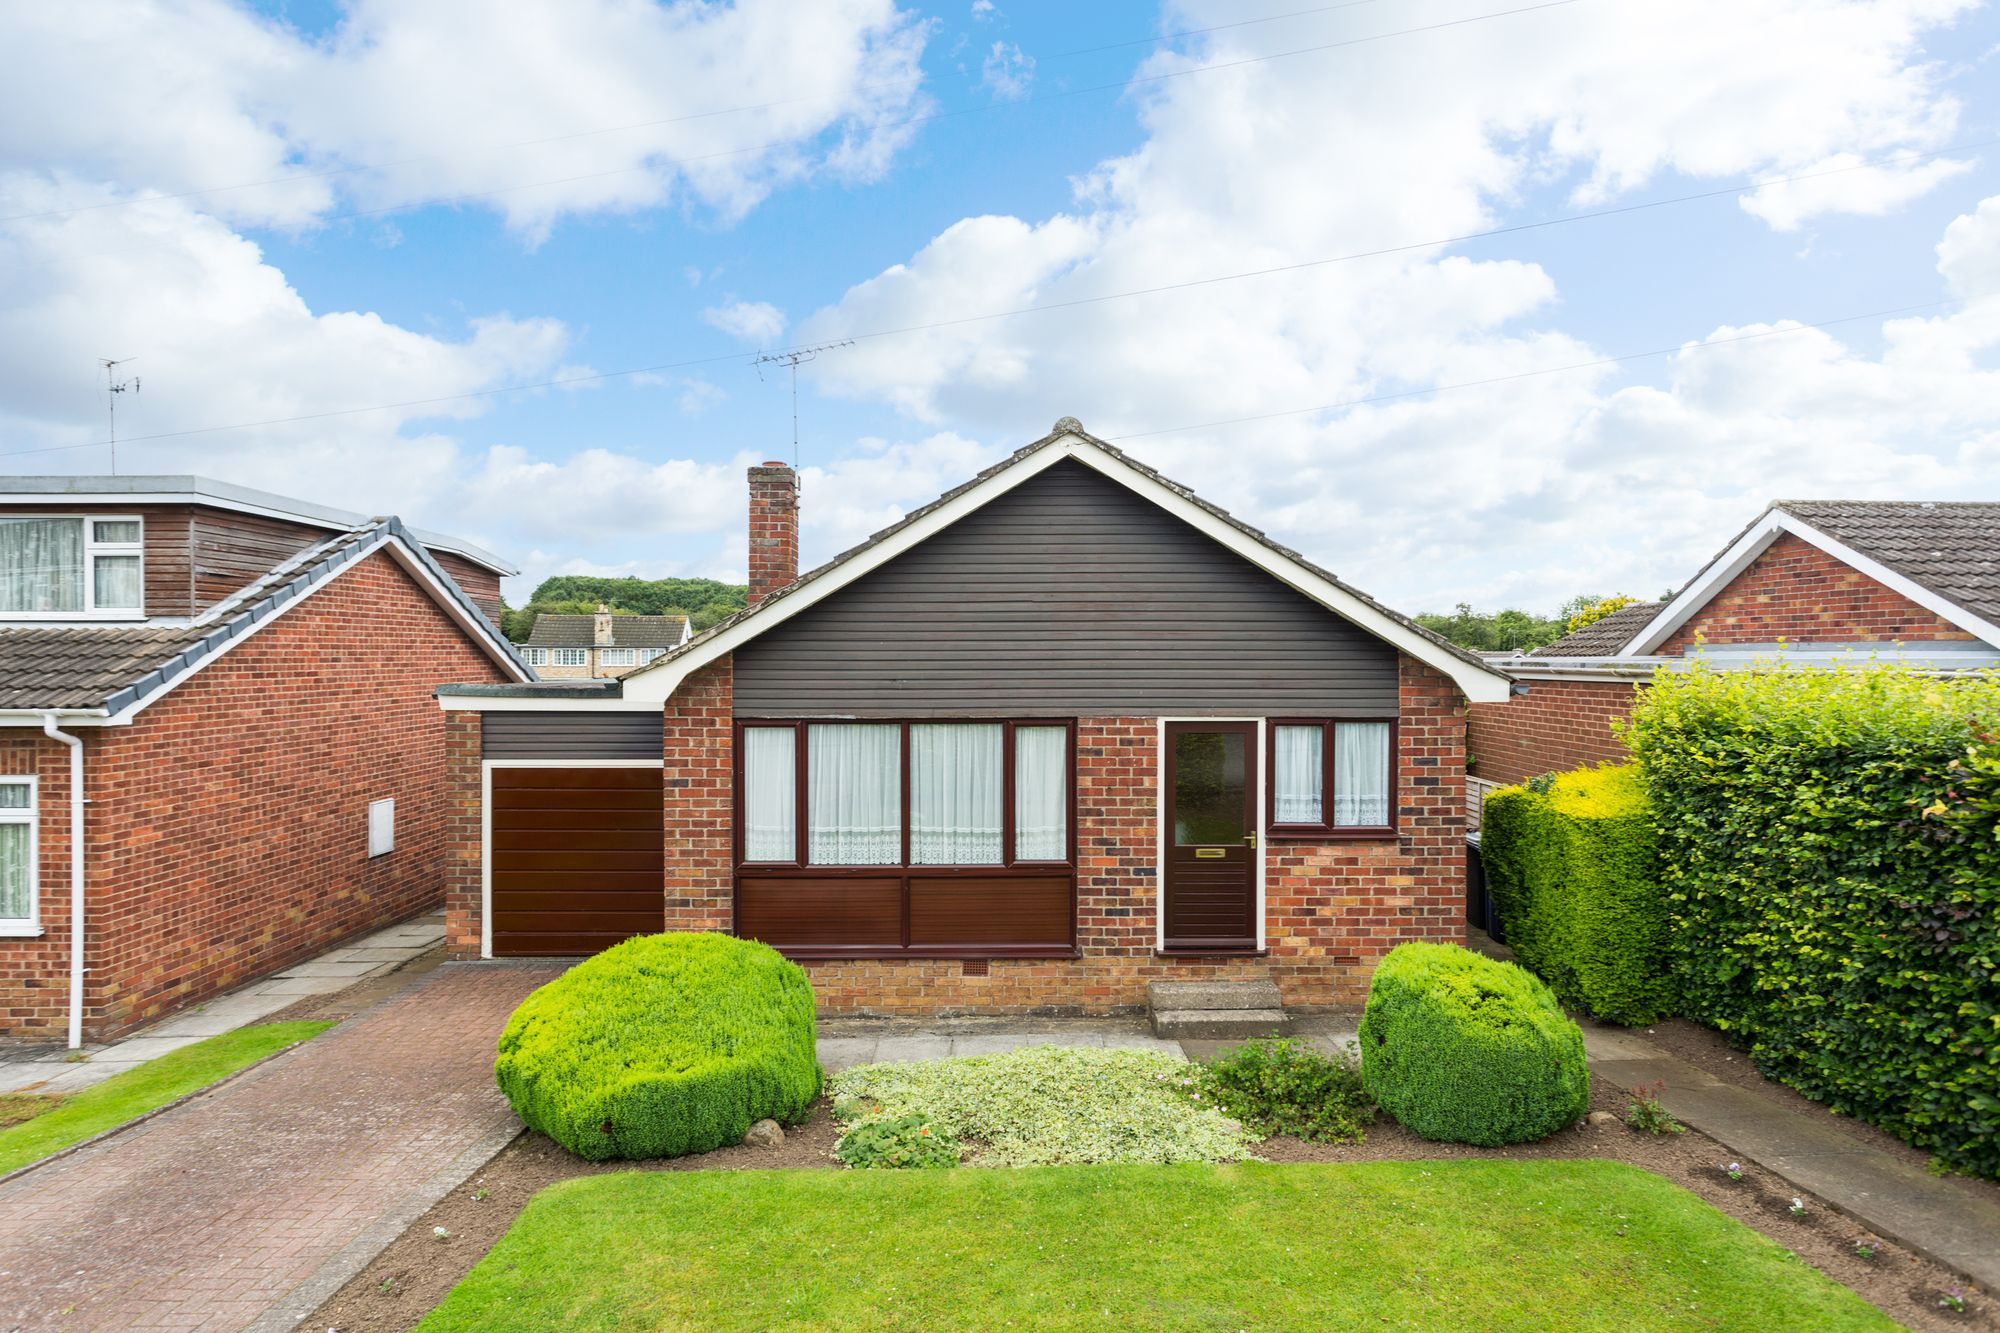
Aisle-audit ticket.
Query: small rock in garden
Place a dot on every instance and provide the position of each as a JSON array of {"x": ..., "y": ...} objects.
[
  {"x": 1602, "y": 1118},
  {"x": 763, "y": 1134}
]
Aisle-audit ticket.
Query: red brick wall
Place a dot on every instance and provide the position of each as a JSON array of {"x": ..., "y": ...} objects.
[
  {"x": 1557, "y": 725},
  {"x": 227, "y": 830},
  {"x": 774, "y": 529},
  {"x": 1797, "y": 592},
  {"x": 34, "y": 972},
  {"x": 698, "y": 785},
  {"x": 462, "y": 823}
]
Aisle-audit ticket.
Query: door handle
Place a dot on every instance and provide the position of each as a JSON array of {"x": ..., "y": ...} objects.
[{"x": 1250, "y": 840}]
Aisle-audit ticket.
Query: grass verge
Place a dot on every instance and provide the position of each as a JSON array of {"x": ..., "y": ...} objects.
[
  {"x": 1401, "y": 1245},
  {"x": 144, "y": 1088}
]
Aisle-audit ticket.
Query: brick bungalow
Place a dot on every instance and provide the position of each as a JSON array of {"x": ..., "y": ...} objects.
[
  {"x": 1809, "y": 582},
  {"x": 1064, "y": 731},
  {"x": 579, "y": 647},
  {"x": 238, "y": 686}
]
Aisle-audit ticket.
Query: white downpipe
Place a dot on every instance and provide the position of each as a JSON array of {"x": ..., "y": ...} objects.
[{"x": 75, "y": 744}]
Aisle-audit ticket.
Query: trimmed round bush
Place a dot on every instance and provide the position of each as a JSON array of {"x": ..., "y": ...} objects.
[
  {"x": 661, "y": 1046},
  {"x": 1464, "y": 1049}
]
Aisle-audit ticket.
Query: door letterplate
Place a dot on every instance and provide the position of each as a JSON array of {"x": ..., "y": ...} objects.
[{"x": 1211, "y": 853}]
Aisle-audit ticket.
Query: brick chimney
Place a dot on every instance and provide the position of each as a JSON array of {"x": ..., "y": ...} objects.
[
  {"x": 601, "y": 626},
  {"x": 774, "y": 529}
]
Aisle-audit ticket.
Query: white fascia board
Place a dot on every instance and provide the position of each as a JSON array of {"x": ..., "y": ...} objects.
[
  {"x": 1758, "y": 540},
  {"x": 1479, "y": 684},
  {"x": 68, "y": 717},
  {"x": 488, "y": 703}
]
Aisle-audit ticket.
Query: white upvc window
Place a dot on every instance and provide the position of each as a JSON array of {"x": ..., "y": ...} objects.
[
  {"x": 72, "y": 567},
  {"x": 19, "y": 857},
  {"x": 535, "y": 656},
  {"x": 618, "y": 657},
  {"x": 569, "y": 657}
]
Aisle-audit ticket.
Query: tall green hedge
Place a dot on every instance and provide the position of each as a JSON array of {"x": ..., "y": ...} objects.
[
  {"x": 662, "y": 1045},
  {"x": 1573, "y": 871},
  {"x": 1831, "y": 853}
]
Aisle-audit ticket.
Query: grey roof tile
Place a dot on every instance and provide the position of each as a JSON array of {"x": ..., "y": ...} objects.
[
  {"x": 1951, "y": 547},
  {"x": 1604, "y": 637},
  {"x": 575, "y": 631}
]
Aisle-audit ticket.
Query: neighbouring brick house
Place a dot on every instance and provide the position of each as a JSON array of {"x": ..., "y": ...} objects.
[
  {"x": 601, "y": 646},
  {"x": 1807, "y": 583},
  {"x": 1066, "y": 730},
  {"x": 244, "y": 684}
]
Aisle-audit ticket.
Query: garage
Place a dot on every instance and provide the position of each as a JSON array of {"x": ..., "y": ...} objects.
[{"x": 576, "y": 858}]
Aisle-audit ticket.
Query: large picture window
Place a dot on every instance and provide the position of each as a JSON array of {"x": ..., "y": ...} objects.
[
  {"x": 1332, "y": 777},
  {"x": 67, "y": 567},
  {"x": 930, "y": 794},
  {"x": 17, "y": 857}
]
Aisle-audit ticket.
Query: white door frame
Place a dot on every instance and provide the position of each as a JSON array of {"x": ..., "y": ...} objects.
[
  {"x": 486, "y": 767},
  {"x": 1160, "y": 823}
]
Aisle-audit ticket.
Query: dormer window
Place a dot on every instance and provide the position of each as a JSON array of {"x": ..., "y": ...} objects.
[{"x": 66, "y": 567}]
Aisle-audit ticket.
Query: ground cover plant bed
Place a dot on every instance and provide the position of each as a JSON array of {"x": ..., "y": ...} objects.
[
  {"x": 83, "y": 1115},
  {"x": 418, "y": 1269},
  {"x": 1467, "y": 1244}
]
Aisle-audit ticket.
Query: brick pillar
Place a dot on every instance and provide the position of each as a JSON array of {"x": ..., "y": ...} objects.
[
  {"x": 463, "y": 925},
  {"x": 698, "y": 782},
  {"x": 774, "y": 529}
]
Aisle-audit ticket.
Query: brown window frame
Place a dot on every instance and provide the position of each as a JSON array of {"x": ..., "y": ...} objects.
[
  {"x": 1326, "y": 830},
  {"x": 801, "y": 752}
]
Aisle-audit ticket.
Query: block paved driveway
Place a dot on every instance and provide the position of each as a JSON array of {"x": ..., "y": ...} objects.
[{"x": 210, "y": 1215}]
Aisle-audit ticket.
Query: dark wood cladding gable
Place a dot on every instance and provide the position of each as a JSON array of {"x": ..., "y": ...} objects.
[
  {"x": 229, "y": 549},
  {"x": 1069, "y": 595},
  {"x": 478, "y": 582}
]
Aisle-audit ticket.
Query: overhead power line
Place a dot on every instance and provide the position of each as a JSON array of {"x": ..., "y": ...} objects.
[
  {"x": 691, "y": 363},
  {"x": 921, "y": 119}
]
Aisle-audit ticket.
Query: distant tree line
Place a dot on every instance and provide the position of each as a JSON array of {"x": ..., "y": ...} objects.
[
  {"x": 1515, "y": 631},
  {"x": 703, "y": 601}
]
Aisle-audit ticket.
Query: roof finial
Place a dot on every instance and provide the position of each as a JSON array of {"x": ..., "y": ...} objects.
[{"x": 1067, "y": 426}]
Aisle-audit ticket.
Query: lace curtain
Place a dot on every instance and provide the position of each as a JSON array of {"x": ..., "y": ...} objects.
[
  {"x": 41, "y": 564},
  {"x": 1298, "y": 774},
  {"x": 853, "y": 794},
  {"x": 770, "y": 805},
  {"x": 1041, "y": 795},
  {"x": 955, "y": 794},
  {"x": 1361, "y": 774}
]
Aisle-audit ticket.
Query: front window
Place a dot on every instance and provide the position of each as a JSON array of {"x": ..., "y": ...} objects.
[
  {"x": 71, "y": 567},
  {"x": 570, "y": 657},
  {"x": 619, "y": 657},
  {"x": 1331, "y": 777},
  {"x": 840, "y": 793},
  {"x": 535, "y": 656},
  {"x": 17, "y": 856}
]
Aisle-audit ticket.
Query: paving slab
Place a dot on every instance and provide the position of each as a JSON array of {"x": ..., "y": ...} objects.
[
  {"x": 297, "y": 986},
  {"x": 332, "y": 966},
  {"x": 245, "y": 1205},
  {"x": 223, "y": 1015}
]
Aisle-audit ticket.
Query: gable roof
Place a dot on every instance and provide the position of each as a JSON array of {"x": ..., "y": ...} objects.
[
  {"x": 1480, "y": 681},
  {"x": 1605, "y": 636},
  {"x": 1943, "y": 555},
  {"x": 130, "y": 490},
  {"x": 580, "y": 631},
  {"x": 114, "y": 672}
]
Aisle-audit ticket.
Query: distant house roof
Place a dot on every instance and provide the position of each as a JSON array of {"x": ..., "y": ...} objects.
[
  {"x": 572, "y": 631},
  {"x": 116, "y": 670},
  {"x": 223, "y": 495},
  {"x": 1605, "y": 636},
  {"x": 1944, "y": 555},
  {"x": 1478, "y": 678}
]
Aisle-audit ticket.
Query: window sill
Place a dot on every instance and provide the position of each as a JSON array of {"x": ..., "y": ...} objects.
[
  {"x": 1334, "y": 835},
  {"x": 70, "y": 617},
  {"x": 1211, "y": 953},
  {"x": 21, "y": 932}
]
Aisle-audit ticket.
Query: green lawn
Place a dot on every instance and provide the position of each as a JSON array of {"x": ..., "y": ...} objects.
[
  {"x": 145, "y": 1088},
  {"x": 1409, "y": 1245}
]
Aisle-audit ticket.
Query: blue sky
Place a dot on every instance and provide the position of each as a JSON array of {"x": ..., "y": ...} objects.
[{"x": 977, "y": 177}]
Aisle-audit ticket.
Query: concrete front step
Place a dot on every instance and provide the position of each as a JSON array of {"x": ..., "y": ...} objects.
[
  {"x": 1213, "y": 995},
  {"x": 1219, "y": 1024}
]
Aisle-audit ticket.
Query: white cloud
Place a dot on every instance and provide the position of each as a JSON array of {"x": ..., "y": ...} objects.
[
  {"x": 1502, "y": 491},
  {"x": 597, "y": 105},
  {"x": 1008, "y": 71},
  {"x": 756, "y": 322}
]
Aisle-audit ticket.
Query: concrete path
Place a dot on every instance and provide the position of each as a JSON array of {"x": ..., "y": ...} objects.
[
  {"x": 334, "y": 970},
  {"x": 248, "y": 1206},
  {"x": 1941, "y": 1219}
]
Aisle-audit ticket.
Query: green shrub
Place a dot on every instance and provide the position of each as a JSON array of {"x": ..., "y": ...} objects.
[
  {"x": 895, "y": 1143},
  {"x": 1047, "y": 1105},
  {"x": 1831, "y": 857},
  {"x": 1283, "y": 1087},
  {"x": 1464, "y": 1049},
  {"x": 662, "y": 1045},
  {"x": 1573, "y": 867}
]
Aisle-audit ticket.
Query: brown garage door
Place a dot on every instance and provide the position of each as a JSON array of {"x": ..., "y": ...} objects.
[{"x": 578, "y": 859}]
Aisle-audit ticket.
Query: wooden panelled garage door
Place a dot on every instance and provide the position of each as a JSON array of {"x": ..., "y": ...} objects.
[{"x": 578, "y": 859}]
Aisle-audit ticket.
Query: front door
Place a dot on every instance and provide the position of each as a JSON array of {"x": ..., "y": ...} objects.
[{"x": 1211, "y": 869}]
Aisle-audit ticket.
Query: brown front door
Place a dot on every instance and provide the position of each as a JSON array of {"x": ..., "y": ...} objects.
[{"x": 1211, "y": 870}]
